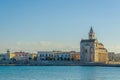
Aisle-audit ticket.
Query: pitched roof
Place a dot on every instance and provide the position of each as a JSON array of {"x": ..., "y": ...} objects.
[{"x": 91, "y": 30}]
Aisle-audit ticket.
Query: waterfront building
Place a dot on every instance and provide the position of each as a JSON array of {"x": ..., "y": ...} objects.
[
  {"x": 53, "y": 55},
  {"x": 92, "y": 51},
  {"x": 111, "y": 56},
  {"x": 117, "y": 57},
  {"x": 11, "y": 55},
  {"x": 3, "y": 56},
  {"x": 44, "y": 55},
  {"x": 114, "y": 58},
  {"x": 75, "y": 55},
  {"x": 33, "y": 55},
  {"x": 59, "y": 55},
  {"x": 21, "y": 56}
]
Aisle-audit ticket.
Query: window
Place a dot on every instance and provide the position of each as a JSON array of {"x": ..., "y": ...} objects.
[
  {"x": 96, "y": 44},
  {"x": 86, "y": 50},
  {"x": 66, "y": 55}
]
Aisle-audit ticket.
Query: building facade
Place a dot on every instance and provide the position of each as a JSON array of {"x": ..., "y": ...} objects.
[
  {"x": 53, "y": 55},
  {"x": 33, "y": 56},
  {"x": 111, "y": 56},
  {"x": 3, "y": 56},
  {"x": 75, "y": 55},
  {"x": 21, "y": 56},
  {"x": 44, "y": 55},
  {"x": 62, "y": 56},
  {"x": 117, "y": 57},
  {"x": 92, "y": 51}
]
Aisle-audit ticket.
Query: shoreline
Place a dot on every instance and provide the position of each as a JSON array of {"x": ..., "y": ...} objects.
[
  {"x": 57, "y": 63},
  {"x": 92, "y": 65}
]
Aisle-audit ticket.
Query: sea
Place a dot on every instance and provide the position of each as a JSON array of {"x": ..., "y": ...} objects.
[{"x": 59, "y": 73}]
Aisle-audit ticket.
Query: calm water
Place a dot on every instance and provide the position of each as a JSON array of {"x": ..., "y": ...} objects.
[{"x": 58, "y": 73}]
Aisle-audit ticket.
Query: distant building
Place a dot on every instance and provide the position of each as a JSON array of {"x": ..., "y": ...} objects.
[
  {"x": 3, "y": 56},
  {"x": 44, "y": 55},
  {"x": 114, "y": 58},
  {"x": 62, "y": 56},
  {"x": 117, "y": 57},
  {"x": 75, "y": 55},
  {"x": 111, "y": 56},
  {"x": 11, "y": 55},
  {"x": 53, "y": 55},
  {"x": 33, "y": 55},
  {"x": 21, "y": 55},
  {"x": 92, "y": 51}
]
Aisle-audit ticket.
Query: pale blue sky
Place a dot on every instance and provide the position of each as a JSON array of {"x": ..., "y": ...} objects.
[{"x": 32, "y": 25}]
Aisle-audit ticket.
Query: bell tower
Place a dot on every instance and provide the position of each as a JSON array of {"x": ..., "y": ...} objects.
[
  {"x": 8, "y": 54},
  {"x": 91, "y": 34}
]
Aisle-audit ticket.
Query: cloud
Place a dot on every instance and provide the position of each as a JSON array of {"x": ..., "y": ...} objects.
[
  {"x": 40, "y": 43},
  {"x": 41, "y": 46},
  {"x": 48, "y": 46},
  {"x": 114, "y": 48}
]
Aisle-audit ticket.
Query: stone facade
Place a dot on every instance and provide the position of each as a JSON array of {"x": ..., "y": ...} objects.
[{"x": 92, "y": 51}]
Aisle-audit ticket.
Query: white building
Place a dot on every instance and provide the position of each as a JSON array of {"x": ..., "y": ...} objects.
[
  {"x": 53, "y": 55},
  {"x": 62, "y": 56},
  {"x": 4, "y": 56},
  {"x": 44, "y": 55}
]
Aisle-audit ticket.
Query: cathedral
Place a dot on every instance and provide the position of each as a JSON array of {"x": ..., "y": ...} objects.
[{"x": 91, "y": 51}]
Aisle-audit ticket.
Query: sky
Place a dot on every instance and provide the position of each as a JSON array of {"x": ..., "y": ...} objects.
[{"x": 37, "y": 25}]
